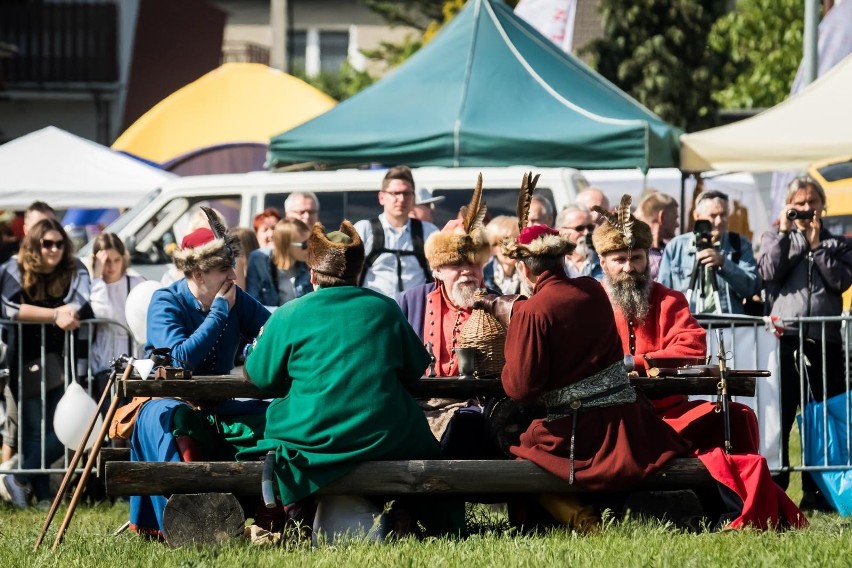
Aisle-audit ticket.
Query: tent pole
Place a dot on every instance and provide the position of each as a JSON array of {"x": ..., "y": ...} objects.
[{"x": 683, "y": 176}]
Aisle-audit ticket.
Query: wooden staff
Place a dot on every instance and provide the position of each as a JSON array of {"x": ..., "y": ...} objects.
[
  {"x": 72, "y": 466},
  {"x": 93, "y": 455}
]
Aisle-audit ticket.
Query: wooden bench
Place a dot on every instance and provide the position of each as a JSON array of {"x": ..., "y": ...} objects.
[
  {"x": 475, "y": 479},
  {"x": 378, "y": 478}
]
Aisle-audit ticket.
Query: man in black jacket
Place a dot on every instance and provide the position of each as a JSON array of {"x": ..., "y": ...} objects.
[{"x": 806, "y": 269}]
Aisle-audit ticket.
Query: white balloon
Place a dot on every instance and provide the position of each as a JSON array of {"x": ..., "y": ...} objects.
[
  {"x": 136, "y": 309},
  {"x": 73, "y": 414}
]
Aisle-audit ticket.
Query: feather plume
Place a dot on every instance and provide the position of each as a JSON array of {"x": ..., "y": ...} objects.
[
  {"x": 219, "y": 230},
  {"x": 621, "y": 219},
  {"x": 475, "y": 214},
  {"x": 525, "y": 198},
  {"x": 625, "y": 220}
]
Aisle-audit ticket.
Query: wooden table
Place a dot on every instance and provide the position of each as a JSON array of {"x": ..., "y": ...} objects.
[{"x": 235, "y": 386}]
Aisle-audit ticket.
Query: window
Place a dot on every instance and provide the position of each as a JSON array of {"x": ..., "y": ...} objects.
[
  {"x": 334, "y": 48},
  {"x": 297, "y": 42},
  {"x": 314, "y": 51}
]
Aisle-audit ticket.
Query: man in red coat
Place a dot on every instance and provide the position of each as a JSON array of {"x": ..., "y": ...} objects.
[
  {"x": 563, "y": 350},
  {"x": 654, "y": 322}
]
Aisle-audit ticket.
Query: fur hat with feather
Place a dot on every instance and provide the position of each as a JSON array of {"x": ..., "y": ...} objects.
[
  {"x": 535, "y": 240},
  {"x": 339, "y": 253},
  {"x": 621, "y": 230},
  {"x": 205, "y": 249},
  {"x": 462, "y": 241}
]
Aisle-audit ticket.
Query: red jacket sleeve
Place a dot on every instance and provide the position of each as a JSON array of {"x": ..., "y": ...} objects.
[{"x": 680, "y": 335}]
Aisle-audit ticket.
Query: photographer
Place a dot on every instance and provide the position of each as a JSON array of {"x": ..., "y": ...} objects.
[
  {"x": 725, "y": 260},
  {"x": 806, "y": 269}
]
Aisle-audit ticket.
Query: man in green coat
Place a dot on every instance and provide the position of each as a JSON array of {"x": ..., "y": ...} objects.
[{"x": 338, "y": 361}]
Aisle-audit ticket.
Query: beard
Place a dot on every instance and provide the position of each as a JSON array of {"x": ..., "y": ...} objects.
[
  {"x": 462, "y": 292},
  {"x": 630, "y": 293}
]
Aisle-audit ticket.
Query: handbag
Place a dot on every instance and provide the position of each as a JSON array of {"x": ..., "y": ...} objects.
[
  {"x": 121, "y": 427},
  {"x": 31, "y": 375},
  {"x": 828, "y": 440}
]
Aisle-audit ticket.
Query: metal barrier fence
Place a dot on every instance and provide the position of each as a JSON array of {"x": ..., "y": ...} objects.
[
  {"x": 76, "y": 365},
  {"x": 750, "y": 345}
]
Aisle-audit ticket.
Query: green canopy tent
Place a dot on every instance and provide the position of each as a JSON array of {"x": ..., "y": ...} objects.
[{"x": 488, "y": 90}]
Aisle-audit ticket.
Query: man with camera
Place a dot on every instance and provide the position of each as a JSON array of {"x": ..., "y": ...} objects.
[
  {"x": 713, "y": 267},
  {"x": 806, "y": 269}
]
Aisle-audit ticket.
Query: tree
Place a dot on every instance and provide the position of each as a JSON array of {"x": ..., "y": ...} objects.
[
  {"x": 341, "y": 85},
  {"x": 656, "y": 50},
  {"x": 764, "y": 41}
]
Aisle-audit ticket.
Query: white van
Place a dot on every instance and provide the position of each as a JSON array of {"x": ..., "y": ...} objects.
[{"x": 160, "y": 218}]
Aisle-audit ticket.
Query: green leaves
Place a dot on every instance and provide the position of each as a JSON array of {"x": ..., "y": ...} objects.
[
  {"x": 657, "y": 51},
  {"x": 764, "y": 41}
]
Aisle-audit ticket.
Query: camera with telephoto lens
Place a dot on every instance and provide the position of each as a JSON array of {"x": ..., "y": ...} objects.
[
  {"x": 703, "y": 231},
  {"x": 793, "y": 214}
]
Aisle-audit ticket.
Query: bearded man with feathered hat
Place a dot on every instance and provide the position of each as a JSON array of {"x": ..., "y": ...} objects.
[
  {"x": 563, "y": 352},
  {"x": 438, "y": 311}
]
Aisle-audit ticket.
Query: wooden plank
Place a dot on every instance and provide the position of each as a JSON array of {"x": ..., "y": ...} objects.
[
  {"x": 108, "y": 455},
  {"x": 378, "y": 478},
  {"x": 231, "y": 386}
]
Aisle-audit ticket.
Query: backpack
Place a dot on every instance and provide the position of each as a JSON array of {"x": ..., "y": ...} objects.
[{"x": 378, "y": 248}]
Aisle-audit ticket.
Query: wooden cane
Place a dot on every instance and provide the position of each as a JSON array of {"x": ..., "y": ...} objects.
[
  {"x": 87, "y": 469},
  {"x": 72, "y": 466}
]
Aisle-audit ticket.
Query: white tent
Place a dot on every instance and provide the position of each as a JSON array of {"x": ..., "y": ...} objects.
[
  {"x": 67, "y": 171},
  {"x": 813, "y": 125}
]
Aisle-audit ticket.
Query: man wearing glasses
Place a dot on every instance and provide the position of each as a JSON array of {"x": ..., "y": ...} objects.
[
  {"x": 714, "y": 267},
  {"x": 395, "y": 260},
  {"x": 302, "y": 206},
  {"x": 575, "y": 223}
]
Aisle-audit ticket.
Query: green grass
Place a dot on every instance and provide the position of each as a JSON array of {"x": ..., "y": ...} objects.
[{"x": 89, "y": 543}]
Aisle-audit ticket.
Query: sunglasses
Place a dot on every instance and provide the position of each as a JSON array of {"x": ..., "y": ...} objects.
[
  {"x": 303, "y": 245},
  {"x": 48, "y": 244},
  {"x": 580, "y": 228}
]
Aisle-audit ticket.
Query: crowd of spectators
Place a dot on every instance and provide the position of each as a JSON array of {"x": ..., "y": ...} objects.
[{"x": 223, "y": 287}]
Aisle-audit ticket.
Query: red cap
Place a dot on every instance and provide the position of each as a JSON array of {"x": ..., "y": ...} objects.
[
  {"x": 532, "y": 232},
  {"x": 197, "y": 238}
]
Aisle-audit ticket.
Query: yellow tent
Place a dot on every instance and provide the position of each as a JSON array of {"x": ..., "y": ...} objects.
[{"x": 235, "y": 104}]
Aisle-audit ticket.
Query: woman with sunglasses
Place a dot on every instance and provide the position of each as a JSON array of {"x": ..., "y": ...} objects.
[
  {"x": 44, "y": 284},
  {"x": 277, "y": 275}
]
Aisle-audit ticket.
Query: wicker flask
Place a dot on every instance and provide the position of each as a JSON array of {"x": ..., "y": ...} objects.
[{"x": 483, "y": 332}]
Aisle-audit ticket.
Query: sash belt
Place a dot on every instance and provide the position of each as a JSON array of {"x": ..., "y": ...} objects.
[{"x": 609, "y": 387}]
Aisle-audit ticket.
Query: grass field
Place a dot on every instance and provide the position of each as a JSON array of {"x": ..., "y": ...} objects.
[{"x": 89, "y": 543}]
